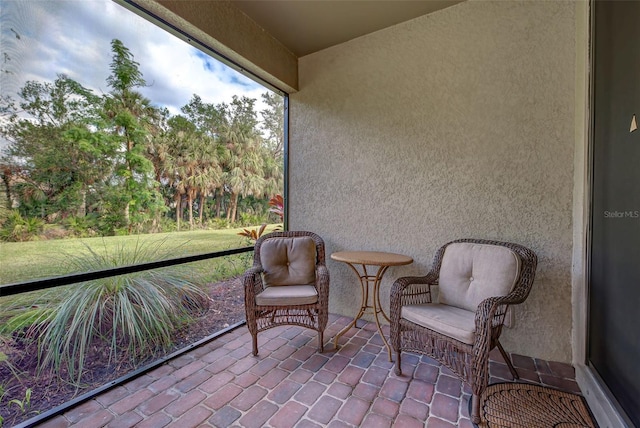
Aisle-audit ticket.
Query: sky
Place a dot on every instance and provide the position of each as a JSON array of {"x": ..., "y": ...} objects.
[{"x": 43, "y": 38}]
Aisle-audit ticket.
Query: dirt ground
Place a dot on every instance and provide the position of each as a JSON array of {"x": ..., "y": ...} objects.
[{"x": 48, "y": 391}]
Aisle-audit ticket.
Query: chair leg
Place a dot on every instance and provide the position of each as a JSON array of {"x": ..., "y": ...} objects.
[
  {"x": 254, "y": 343},
  {"x": 475, "y": 409},
  {"x": 398, "y": 368},
  {"x": 507, "y": 360},
  {"x": 320, "y": 341}
]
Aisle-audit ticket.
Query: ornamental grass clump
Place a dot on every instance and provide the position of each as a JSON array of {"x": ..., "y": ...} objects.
[{"x": 132, "y": 316}]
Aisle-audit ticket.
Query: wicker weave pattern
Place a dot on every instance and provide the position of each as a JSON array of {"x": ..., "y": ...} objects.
[
  {"x": 518, "y": 405},
  {"x": 313, "y": 316},
  {"x": 470, "y": 363}
]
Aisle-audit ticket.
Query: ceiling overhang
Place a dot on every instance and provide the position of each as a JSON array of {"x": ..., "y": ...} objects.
[{"x": 307, "y": 26}]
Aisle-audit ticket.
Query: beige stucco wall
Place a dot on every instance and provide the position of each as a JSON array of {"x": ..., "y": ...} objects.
[{"x": 456, "y": 124}]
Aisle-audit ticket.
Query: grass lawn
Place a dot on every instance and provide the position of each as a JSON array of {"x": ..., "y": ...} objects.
[{"x": 21, "y": 261}]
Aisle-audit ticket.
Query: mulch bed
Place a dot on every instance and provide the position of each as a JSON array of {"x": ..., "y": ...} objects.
[{"x": 48, "y": 391}]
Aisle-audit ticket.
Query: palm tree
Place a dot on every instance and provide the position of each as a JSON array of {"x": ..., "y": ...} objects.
[
  {"x": 210, "y": 173},
  {"x": 243, "y": 163},
  {"x": 243, "y": 166},
  {"x": 273, "y": 174},
  {"x": 273, "y": 123},
  {"x": 192, "y": 168},
  {"x": 177, "y": 167}
]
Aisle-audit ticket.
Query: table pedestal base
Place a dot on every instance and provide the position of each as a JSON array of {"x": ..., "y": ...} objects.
[{"x": 366, "y": 281}]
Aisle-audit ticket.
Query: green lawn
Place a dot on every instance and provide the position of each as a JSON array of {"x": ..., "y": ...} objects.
[{"x": 20, "y": 261}]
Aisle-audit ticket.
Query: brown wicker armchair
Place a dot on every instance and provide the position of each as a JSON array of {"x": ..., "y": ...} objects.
[
  {"x": 288, "y": 284},
  {"x": 477, "y": 280}
]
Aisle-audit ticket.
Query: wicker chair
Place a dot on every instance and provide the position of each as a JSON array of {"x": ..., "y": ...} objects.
[
  {"x": 287, "y": 285},
  {"x": 477, "y": 280}
]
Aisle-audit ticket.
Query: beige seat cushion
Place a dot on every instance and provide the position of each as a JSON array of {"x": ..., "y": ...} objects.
[
  {"x": 287, "y": 295},
  {"x": 447, "y": 320},
  {"x": 288, "y": 261},
  {"x": 472, "y": 272}
]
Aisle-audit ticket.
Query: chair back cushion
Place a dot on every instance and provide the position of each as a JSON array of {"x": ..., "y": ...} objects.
[
  {"x": 288, "y": 261},
  {"x": 473, "y": 272}
]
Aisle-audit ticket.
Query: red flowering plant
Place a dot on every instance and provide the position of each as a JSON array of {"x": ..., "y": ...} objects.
[{"x": 277, "y": 206}]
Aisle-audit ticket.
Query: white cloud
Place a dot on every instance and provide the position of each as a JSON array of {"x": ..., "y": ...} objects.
[{"x": 73, "y": 37}]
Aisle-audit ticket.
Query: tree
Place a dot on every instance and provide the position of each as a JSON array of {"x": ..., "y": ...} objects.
[
  {"x": 273, "y": 173},
  {"x": 157, "y": 148},
  {"x": 56, "y": 152},
  {"x": 207, "y": 175},
  {"x": 72, "y": 152},
  {"x": 273, "y": 124},
  {"x": 131, "y": 116},
  {"x": 243, "y": 163},
  {"x": 180, "y": 139},
  {"x": 209, "y": 119},
  {"x": 273, "y": 149}
]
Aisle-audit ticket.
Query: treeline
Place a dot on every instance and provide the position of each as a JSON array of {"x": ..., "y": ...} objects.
[{"x": 115, "y": 163}]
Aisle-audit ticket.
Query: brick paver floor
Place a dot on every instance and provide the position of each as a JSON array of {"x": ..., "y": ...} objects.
[{"x": 289, "y": 384}]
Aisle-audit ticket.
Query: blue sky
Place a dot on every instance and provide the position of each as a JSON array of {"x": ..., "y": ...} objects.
[{"x": 41, "y": 38}]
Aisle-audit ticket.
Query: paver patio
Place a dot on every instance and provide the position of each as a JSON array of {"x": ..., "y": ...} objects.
[{"x": 289, "y": 384}]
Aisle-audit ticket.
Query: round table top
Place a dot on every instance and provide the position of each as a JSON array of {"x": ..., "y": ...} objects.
[{"x": 375, "y": 258}]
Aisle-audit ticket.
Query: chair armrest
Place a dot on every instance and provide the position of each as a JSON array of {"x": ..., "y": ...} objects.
[
  {"x": 410, "y": 290},
  {"x": 252, "y": 275},
  {"x": 488, "y": 308},
  {"x": 252, "y": 282},
  {"x": 495, "y": 308},
  {"x": 489, "y": 319},
  {"x": 488, "y": 323},
  {"x": 405, "y": 291},
  {"x": 322, "y": 283},
  {"x": 254, "y": 270}
]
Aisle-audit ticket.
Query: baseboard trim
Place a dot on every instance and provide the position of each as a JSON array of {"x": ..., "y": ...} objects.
[{"x": 603, "y": 409}]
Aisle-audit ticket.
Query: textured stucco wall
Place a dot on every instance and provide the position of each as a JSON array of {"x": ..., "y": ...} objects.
[{"x": 455, "y": 124}]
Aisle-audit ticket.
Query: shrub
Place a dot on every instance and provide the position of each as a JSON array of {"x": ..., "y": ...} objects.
[
  {"x": 4, "y": 360},
  {"x": 249, "y": 219},
  {"x": 134, "y": 315},
  {"x": 54, "y": 231},
  {"x": 4, "y": 213},
  {"x": 81, "y": 226},
  {"x": 168, "y": 225},
  {"x": 107, "y": 224},
  {"x": 277, "y": 206},
  {"x": 253, "y": 234},
  {"x": 217, "y": 224},
  {"x": 18, "y": 229}
]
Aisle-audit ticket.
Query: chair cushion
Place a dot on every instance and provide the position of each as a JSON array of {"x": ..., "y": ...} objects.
[
  {"x": 472, "y": 272},
  {"x": 447, "y": 320},
  {"x": 288, "y": 261},
  {"x": 287, "y": 295}
]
